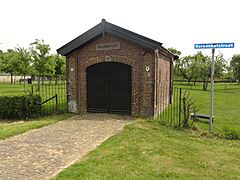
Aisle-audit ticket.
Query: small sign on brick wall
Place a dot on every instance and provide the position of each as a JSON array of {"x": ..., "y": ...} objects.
[{"x": 107, "y": 46}]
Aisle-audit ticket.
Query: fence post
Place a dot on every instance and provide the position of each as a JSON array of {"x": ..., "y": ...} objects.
[
  {"x": 174, "y": 104},
  {"x": 180, "y": 102},
  {"x": 56, "y": 103}
]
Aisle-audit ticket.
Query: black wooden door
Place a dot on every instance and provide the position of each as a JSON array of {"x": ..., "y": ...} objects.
[{"x": 109, "y": 88}]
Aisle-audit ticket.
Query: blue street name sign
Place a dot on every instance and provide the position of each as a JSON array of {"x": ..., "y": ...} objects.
[{"x": 213, "y": 45}]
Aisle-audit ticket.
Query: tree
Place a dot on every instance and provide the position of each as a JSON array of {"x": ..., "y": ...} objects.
[
  {"x": 198, "y": 67},
  {"x": 176, "y": 70},
  {"x": 202, "y": 67},
  {"x": 1, "y": 60},
  {"x": 195, "y": 69},
  {"x": 235, "y": 65},
  {"x": 175, "y": 51},
  {"x": 43, "y": 63},
  {"x": 183, "y": 67},
  {"x": 24, "y": 62},
  {"x": 203, "y": 63},
  {"x": 9, "y": 63},
  {"x": 228, "y": 75},
  {"x": 220, "y": 66},
  {"x": 60, "y": 65}
]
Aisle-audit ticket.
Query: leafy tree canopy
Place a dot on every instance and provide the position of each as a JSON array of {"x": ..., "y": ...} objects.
[
  {"x": 43, "y": 63},
  {"x": 235, "y": 65}
]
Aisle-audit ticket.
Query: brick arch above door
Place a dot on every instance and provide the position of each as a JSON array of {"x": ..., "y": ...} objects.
[{"x": 119, "y": 59}]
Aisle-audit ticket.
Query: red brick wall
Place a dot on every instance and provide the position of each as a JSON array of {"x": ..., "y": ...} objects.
[
  {"x": 129, "y": 53},
  {"x": 71, "y": 81},
  {"x": 163, "y": 81},
  {"x": 148, "y": 84}
]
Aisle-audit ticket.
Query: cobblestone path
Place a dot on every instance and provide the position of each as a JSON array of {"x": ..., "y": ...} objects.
[{"x": 41, "y": 153}]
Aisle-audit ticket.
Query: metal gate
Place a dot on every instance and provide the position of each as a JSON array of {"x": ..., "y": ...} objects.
[{"x": 109, "y": 88}]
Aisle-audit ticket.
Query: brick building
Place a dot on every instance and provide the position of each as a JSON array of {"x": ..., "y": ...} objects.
[{"x": 114, "y": 70}]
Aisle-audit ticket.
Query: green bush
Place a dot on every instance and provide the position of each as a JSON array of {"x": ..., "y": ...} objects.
[{"x": 20, "y": 107}]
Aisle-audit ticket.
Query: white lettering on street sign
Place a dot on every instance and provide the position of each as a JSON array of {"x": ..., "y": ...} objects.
[{"x": 213, "y": 45}]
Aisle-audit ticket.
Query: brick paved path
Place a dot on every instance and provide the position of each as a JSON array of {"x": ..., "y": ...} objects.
[{"x": 41, "y": 153}]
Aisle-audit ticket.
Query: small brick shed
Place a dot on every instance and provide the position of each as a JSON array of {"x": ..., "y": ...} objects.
[{"x": 111, "y": 69}]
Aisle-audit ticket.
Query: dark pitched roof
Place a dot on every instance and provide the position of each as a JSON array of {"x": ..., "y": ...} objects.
[{"x": 106, "y": 27}]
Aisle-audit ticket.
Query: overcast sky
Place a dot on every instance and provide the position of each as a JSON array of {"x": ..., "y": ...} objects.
[{"x": 175, "y": 23}]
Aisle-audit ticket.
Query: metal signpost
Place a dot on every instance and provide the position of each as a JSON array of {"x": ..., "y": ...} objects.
[{"x": 212, "y": 46}]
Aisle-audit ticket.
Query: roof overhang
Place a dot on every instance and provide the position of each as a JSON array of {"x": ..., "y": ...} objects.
[{"x": 105, "y": 27}]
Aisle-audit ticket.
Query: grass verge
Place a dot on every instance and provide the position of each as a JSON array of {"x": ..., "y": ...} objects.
[
  {"x": 147, "y": 150},
  {"x": 226, "y": 109},
  {"x": 11, "y": 128}
]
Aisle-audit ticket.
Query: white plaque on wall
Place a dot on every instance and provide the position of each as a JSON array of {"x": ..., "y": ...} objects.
[{"x": 107, "y": 46}]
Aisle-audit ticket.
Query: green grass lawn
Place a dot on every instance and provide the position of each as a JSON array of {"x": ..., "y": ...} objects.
[
  {"x": 11, "y": 128},
  {"x": 11, "y": 89},
  {"x": 147, "y": 150},
  {"x": 226, "y": 106}
]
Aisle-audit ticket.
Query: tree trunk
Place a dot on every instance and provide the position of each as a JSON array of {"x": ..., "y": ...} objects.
[
  {"x": 42, "y": 80},
  {"x": 11, "y": 78},
  {"x": 38, "y": 82},
  {"x": 189, "y": 80},
  {"x": 205, "y": 85},
  {"x": 56, "y": 80},
  {"x": 24, "y": 81}
]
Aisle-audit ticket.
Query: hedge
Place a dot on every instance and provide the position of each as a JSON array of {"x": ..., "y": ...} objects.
[{"x": 20, "y": 107}]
